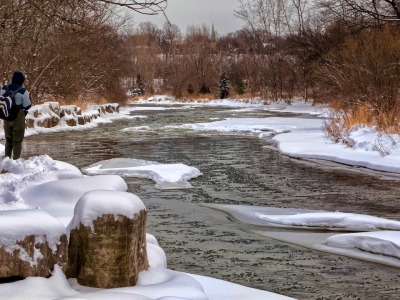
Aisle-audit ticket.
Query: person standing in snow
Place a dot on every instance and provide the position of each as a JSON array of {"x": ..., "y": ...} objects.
[{"x": 14, "y": 130}]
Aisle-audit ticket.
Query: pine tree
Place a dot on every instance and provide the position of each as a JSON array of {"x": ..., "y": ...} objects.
[
  {"x": 223, "y": 91},
  {"x": 140, "y": 88},
  {"x": 204, "y": 89},
  {"x": 240, "y": 90},
  {"x": 140, "y": 84}
]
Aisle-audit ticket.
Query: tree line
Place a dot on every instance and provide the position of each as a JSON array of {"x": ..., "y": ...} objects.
[{"x": 345, "y": 52}]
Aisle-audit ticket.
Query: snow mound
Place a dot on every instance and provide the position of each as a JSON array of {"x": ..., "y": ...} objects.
[
  {"x": 166, "y": 176},
  {"x": 379, "y": 242},
  {"x": 155, "y": 254},
  {"x": 17, "y": 224},
  {"x": 333, "y": 220},
  {"x": 18, "y": 175},
  {"x": 94, "y": 204},
  {"x": 59, "y": 197}
]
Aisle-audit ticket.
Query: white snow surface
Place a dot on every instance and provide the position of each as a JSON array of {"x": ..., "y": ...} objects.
[
  {"x": 155, "y": 254},
  {"x": 153, "y": 284},
  {"x": 378, "y": 242},
  {"x": 94, "y": 204},
  {"x": 59, "y": 197},
  {"x": 221, "y": 290},
  {"x": 166, "y": 176},
  {"x": 22, "y": 174}
]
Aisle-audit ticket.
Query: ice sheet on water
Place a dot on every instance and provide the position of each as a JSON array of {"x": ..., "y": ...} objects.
[
  {"x": 380, "y": 244},
  {"x": 166, "y": 176}
]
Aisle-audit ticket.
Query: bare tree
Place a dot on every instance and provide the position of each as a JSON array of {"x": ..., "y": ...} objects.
[{"x": 365, "y": 10}]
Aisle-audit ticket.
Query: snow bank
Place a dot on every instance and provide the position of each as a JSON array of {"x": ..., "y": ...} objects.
[
  {"x": 21, "y": 174},
  {"x": 94, "y": 204},
  {"x": 157, "y": 284},
  {"x": 166, "y": 176},
  {"x": 38, "y": 288},
  {"x": 154, "y": 284},
  {"x": 379, "y": 242},
  {"x": 59, "y": 197},
  {"x": 221, "y": 290}
]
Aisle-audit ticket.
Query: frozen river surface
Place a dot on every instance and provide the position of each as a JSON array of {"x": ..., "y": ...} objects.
[{"x": 238, "y": 169}]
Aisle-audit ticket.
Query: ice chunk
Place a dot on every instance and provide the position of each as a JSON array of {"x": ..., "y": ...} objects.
[{"x": 166, "y": 176}]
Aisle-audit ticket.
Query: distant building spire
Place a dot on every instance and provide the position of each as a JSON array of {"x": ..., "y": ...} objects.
[{"x": 213, "y": 34}]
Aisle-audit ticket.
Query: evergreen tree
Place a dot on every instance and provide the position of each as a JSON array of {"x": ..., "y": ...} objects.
[
  {"x": 240, "y": 90},
  {"x": 223, "y": 91},
  {"x": 140, "y": 88},
  {"x": 204, "y": 89},
  {"x": 190, "y": 89},
  {"x": 140, "y": 84}
]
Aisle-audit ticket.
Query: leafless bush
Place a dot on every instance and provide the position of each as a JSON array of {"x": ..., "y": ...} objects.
[
  {"x": 335, "y": 130},
  {"x": 365, "y": 71},
  {"x": 380, "y": 147}
]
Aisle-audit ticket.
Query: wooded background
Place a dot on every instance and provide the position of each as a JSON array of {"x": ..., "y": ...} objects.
[{"x": 345, "y": 52}]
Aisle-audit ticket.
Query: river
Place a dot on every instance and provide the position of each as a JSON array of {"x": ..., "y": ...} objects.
[{"x": 246, "y": 170}]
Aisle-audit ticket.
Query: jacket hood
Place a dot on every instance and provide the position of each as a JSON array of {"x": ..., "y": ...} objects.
[{"x": 18, "y": 78}]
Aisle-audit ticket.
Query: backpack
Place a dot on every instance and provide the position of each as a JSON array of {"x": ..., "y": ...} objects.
[{"x": 8, "y": 108}]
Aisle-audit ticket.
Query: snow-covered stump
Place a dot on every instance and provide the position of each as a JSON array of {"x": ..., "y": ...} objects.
[
  {"x": 107, "y": 247},
  {"x": 31, "y": 243}
]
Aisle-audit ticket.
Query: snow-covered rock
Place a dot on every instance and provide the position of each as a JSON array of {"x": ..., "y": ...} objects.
[
  {"x": 31, "y": 248},
  {"x": 107, "y": 247},
  {"x": 51, "y": 114}
]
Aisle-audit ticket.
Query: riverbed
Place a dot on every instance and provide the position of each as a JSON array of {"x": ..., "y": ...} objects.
[{"x": 246, "y": 170}]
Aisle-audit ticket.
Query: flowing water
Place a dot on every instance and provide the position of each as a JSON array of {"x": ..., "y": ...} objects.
[{"x": 238, "y": 169}]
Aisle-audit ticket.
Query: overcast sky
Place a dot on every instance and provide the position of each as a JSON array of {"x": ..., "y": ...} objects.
[{"x": 197, "y": 12}]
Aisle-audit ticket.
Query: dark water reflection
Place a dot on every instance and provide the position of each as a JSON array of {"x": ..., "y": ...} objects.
[{"x": 238, "y": 169}]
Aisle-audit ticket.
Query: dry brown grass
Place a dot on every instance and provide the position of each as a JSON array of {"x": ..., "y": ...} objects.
[
  {"x": 364, "y": 115},
  {"x": 342, "y": 121}
]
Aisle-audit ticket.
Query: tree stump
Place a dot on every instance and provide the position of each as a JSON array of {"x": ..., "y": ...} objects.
[
  {"x": 108, "y": 250},
  {"x": 31, "y": 243}
]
